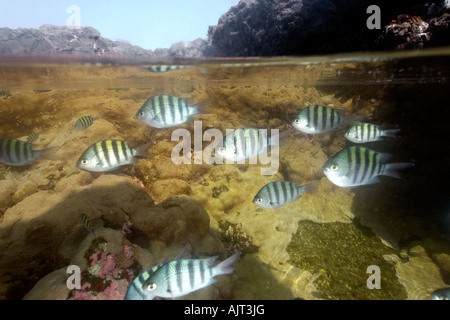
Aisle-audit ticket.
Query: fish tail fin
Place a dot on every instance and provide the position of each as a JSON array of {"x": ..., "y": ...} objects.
[
  {"x": 391, "y": 169},
  {"x": 309, "y": 187},
  {"x": 281, "y": 136},
  {"x": 226, "y": 266},
  {"x": 200, "y": 108},
  {"x": 390, "y": 133},
  {"x": 141, "y": 151},
  {"x": 48, "y": 153}
]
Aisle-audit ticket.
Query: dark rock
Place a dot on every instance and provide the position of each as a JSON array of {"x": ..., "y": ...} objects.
[
  {"x": 308, "y": 27},
  {"x": 407, "y": 32}
]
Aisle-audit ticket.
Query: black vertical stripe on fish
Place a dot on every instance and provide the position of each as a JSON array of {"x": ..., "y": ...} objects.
[
  {"x": 168, "y": 108},
  {"x": 168, "y": 273},
  {"x": 191, "y": 266},
  {"x": 98, "y": 152},
  {"x": 179, "y": 275},
  {"x": 283, "y": 192},
  {"x": 124, "y": 150},
  {"x": 273, "y": 190},
  {"x": 353, "y": 165},
  {"x": 332, "y": 117},
  {"x": 104, "y": 148},
  {"x": 366, "y": 164},
  {"x": 116, "y": 151},
  {"x": 316, "y": 118},
  {"x": 17, "y": 152},
  {"x": 375, "y": 164}
]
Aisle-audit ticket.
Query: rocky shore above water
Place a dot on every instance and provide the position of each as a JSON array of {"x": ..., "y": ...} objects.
[{"x": 263, "y": 28}]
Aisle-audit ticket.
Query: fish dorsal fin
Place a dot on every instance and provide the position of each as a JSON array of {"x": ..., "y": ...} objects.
[{"x": 180, "y": 254}]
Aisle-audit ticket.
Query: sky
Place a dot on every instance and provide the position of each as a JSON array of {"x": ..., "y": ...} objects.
[{"x": 149, "y": 24}]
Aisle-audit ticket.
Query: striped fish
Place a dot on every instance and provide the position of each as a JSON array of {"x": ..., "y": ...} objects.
[
  {"x": 165, "y": 111},
  {"x": 165, "y": 68},
  {"x": 318, "y": 119},
  {"x": 245, "y": 143},
  {"x": 178, "y": 278},
  {"x": 356, "y": 166},
  {"x": 14, "y": 152},
  {"x": 87, "y": 224},
  {"x": 32, "y": 137},
  {"x": 107, "y": 155},
  {"x": 278, "y": 193},
  {"x": 368, "y": 132},
  {"x": 83, "y": 122}
]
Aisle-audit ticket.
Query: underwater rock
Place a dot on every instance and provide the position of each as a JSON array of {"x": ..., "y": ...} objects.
[
  {"x": 51, "y": 287},
  {"x": 172, "y": 221},
  {"x": 163, "y": 189},
  {"x": 419, "y": 275}
]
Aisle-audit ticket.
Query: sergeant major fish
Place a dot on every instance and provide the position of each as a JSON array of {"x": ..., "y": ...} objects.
[
  {"x": 368, "y": 132},
  {"x": 178, "y": 278},
  {"x": 32, "y": 137},
  {"x": 83, "y": 122},
  {"x": 164, "y": 68},
  {"x": 356, "y": 166},
  {"x": 246, "y": 143},
  {"x": 107, "y": 155},
  {"x": 14, "y": 152},
  {"x": 318, "y": 119},
  {"x": 165, "y": 111},
  {"x": 278, "y": 193},
  {"x": 87, "y": 224}
]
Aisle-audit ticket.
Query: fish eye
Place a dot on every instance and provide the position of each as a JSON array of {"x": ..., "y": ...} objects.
[
  {"x": 151, "y": 287},
  {"x": 84, "y": 161},
  {"x": 222, "y": 149},
  {"x": 259, "y": 200},
  {"x": 141, "y": 113},
  {"x": 297, "y": 121},
  {"x": 334, "y": 167}
]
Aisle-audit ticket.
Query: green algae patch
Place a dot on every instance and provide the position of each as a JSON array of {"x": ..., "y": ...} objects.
[{"x": 341, "y": 253}]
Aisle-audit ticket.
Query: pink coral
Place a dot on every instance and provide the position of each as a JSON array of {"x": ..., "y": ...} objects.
[
  {"x": 106, "y": 280},
  {"x": 126, "y": 228},
  {"x": 128, "y": 251},
  {"x": 116, "y": 290}
]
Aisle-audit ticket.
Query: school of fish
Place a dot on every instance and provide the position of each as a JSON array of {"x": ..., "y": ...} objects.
[{"x": 352, "y": 167}]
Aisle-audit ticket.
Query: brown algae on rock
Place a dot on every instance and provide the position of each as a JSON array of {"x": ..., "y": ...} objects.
[{"x": 341, "y": 253}]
